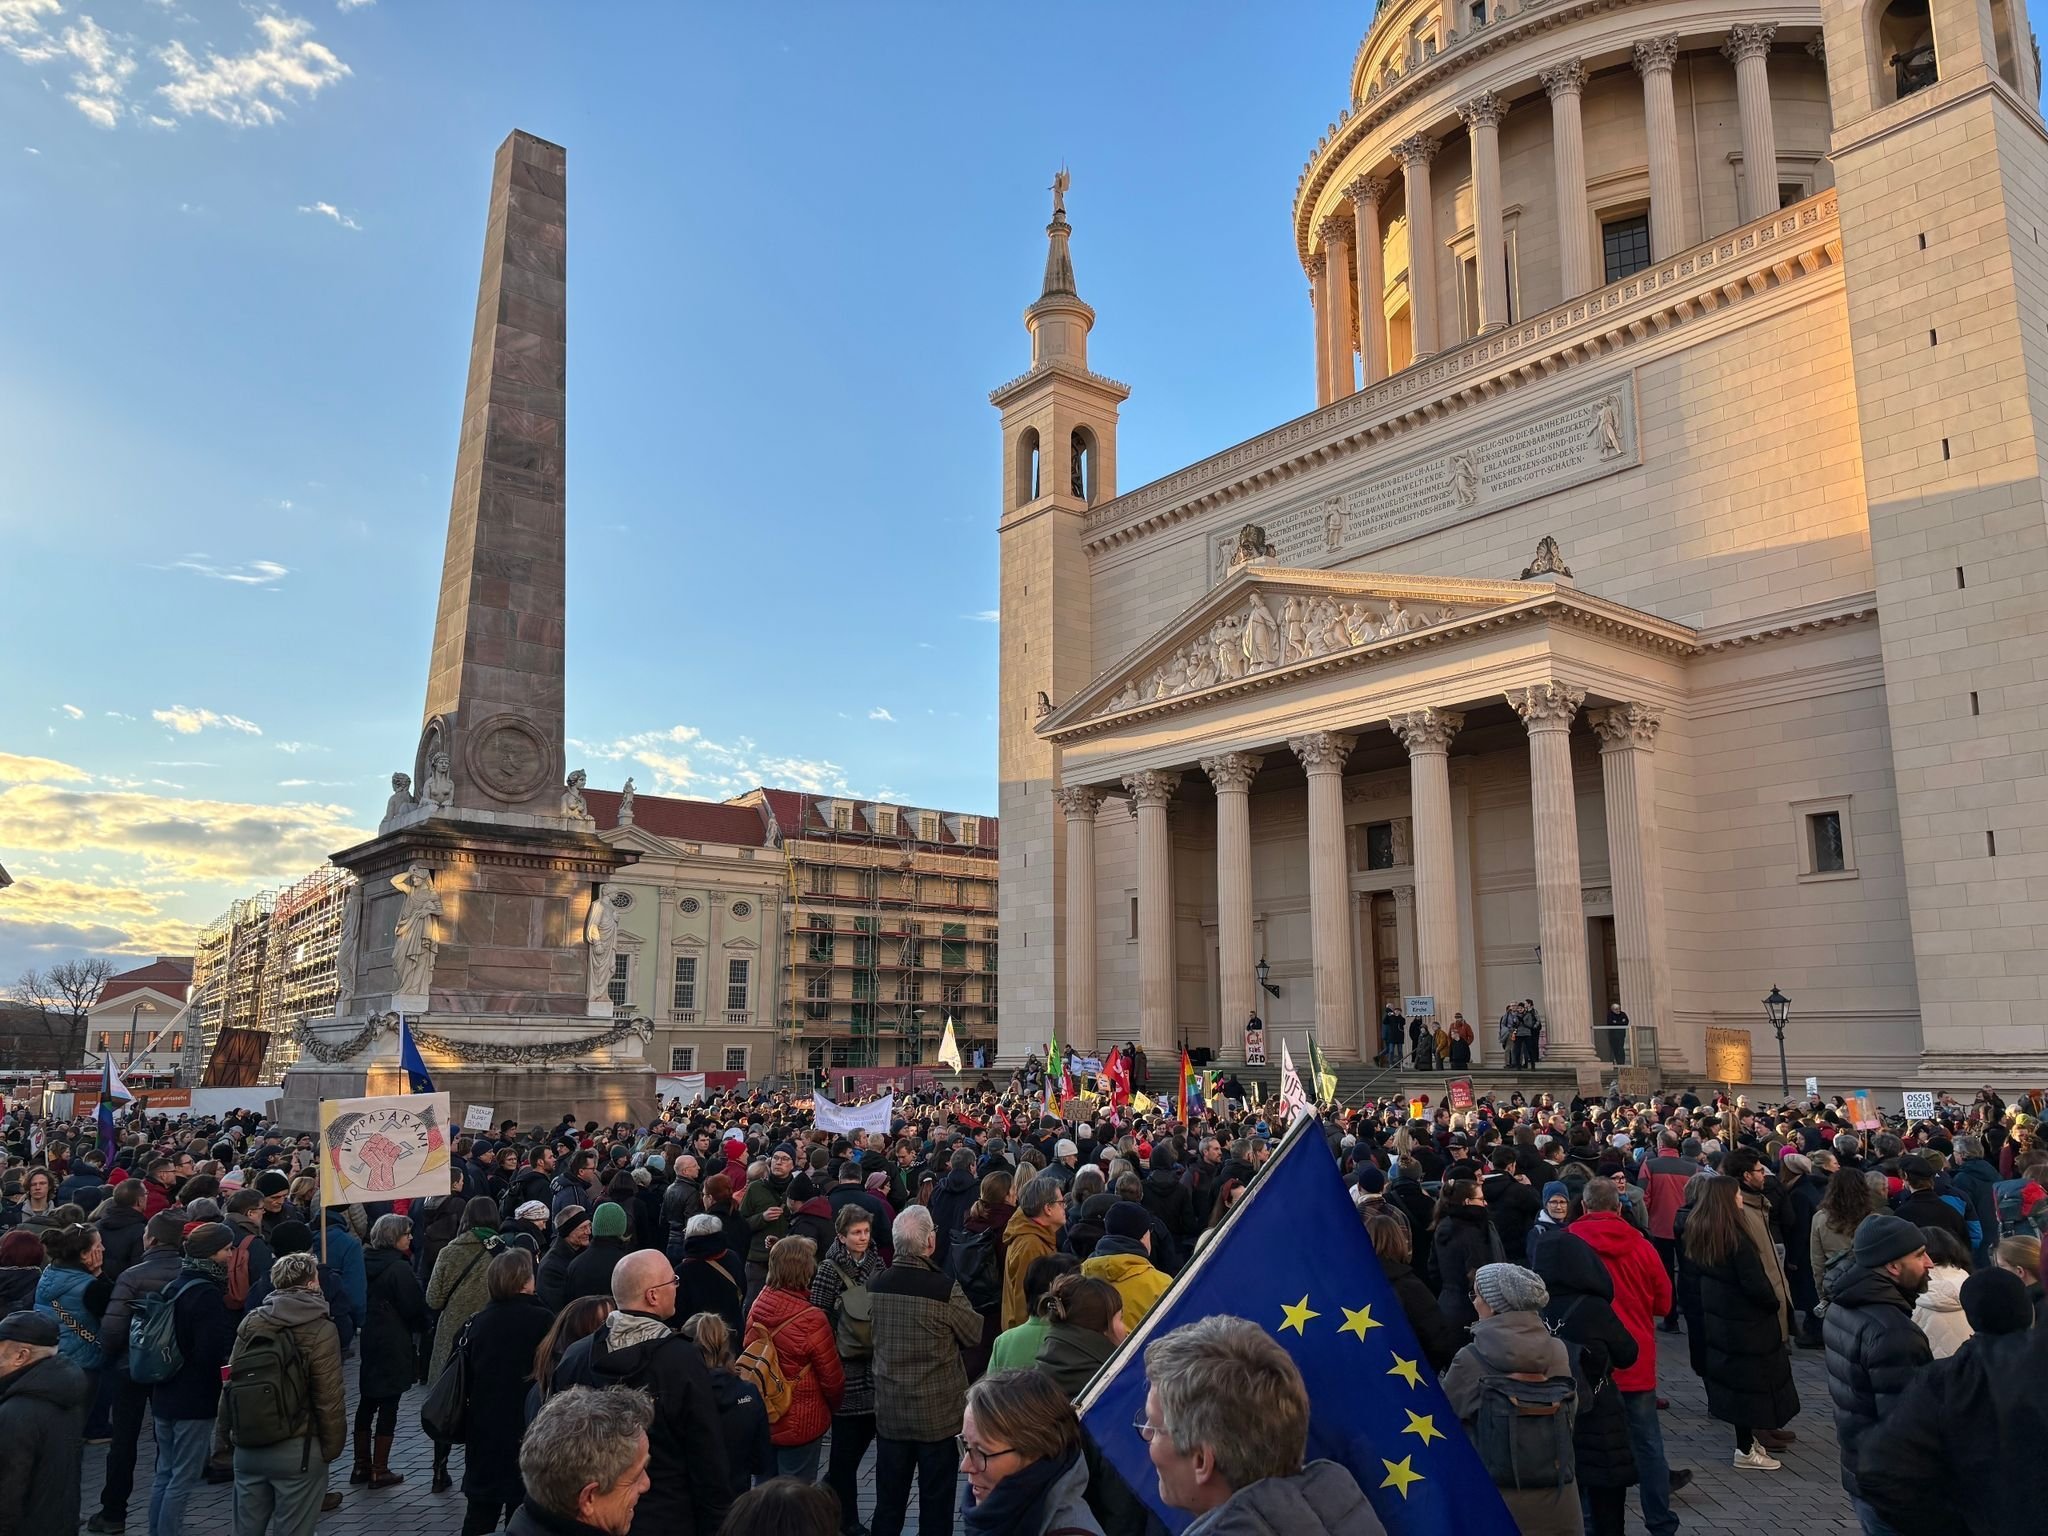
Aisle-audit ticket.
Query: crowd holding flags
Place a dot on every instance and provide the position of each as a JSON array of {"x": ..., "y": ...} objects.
[{"x": 112, "y": 1091}]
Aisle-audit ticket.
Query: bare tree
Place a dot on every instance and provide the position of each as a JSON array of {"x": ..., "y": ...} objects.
[{"x": 62, "y": 995}]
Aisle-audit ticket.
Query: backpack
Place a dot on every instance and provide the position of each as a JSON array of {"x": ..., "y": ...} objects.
[
  {"x": 237, "y": 1265},
  {"x": 974, "y": 1260},
  {"x": 1523, "y": 1428},
  {"x": 854, "y": 1328},
  {"x": 2015, "y": 1219},
  {"x": 268, "y": 1396},
  {"x": 153, "y": 1352},
  {"x": 760, "y": 1364}
]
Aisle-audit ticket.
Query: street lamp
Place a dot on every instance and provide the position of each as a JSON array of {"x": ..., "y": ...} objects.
[
  {"x": 1776, "y": 1006},
  {"x": 1264, "y": 971}
]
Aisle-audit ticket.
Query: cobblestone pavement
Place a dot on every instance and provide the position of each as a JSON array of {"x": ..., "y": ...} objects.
[{"x": 1805, "y": 1497}]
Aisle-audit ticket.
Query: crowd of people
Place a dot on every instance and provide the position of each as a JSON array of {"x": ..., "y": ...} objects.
[{"x": 705, "y": 1323}]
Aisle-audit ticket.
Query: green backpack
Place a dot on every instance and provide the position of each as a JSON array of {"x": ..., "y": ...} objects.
[
  {"x": 269, "y": 1390},
  {"x": 855, "y": 1328}
]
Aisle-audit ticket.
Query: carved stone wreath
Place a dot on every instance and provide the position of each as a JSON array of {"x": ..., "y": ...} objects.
[{"x": 487, "y": 1051}]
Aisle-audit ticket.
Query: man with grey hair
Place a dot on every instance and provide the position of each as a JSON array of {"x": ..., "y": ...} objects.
[
  {"x": 1033, "y": 1232},
  {"x": 1226, "y": 1422},
  {"x": 584, "y": 1460},
  {"x": 1973, "y": 1180},
  {"x": 921, "y": 1320}
]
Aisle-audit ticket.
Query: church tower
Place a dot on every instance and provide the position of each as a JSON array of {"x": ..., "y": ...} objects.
[
  {"x": 1941, "y": 161},
  {"x": 1059, "y": 461}
]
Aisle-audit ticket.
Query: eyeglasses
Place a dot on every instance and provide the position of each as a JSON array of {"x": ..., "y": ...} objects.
[
  {"x": 1146, "y": 1429},
  {"x": 976, "y": 1458}
]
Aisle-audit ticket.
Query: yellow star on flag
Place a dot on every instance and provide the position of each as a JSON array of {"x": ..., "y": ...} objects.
[
  {"x": 1407, "y": 1370},
  {"x": 1400, "y": 1474},
  {"x": 1297, "y": 1317},
  {"x": 1422, "y": 1424},
  {"x": 1358, "y": 1322}
]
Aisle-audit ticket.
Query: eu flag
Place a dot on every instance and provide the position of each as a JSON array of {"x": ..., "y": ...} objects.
[
  {"x": 1293, "y": 1257},
  {"x": 409, "y": 1059}
]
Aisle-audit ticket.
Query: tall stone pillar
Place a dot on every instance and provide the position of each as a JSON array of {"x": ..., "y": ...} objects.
[
  {"x": 1319, "y": 301},
  {"x": 1080, "y": 804},
  {"x": 1336, "y": 233},
  {"x": 1670, "y": 223},
  {"x": 1427, "y": 735},
  {"x": 1750, "y": 47},
  {"x": 1404, "y": 938},
  {"x": 1323, "y": 754},
  {"x": 1415, "y": 154},
  {"x": 1482, "y": 115},
  {"x": 1150, "y": 791},
  {"x": 1369, "y": 246},
  {"x": 1547, "y": 710},
  {"x": 1566, "y": 84},
  {"x": 1628, "y": 739},
  {"x": 1232, "y": 774}
]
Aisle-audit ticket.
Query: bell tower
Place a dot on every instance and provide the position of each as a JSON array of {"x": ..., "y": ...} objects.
[
  {"x": 1941, "y": 163},
  {"x": 1059, "y": 461}
]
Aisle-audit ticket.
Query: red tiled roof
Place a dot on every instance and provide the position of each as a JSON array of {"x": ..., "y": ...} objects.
[
  {"x": 692, "y": 821},
  {"x": 799, "y": 814},
  {"x": 168, "y": 974}
]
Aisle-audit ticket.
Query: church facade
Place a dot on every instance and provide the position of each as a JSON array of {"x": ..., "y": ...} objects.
[{"x": 1650, "y": 613}]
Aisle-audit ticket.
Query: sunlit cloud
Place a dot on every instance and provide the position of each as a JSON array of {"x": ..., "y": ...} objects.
[
  {"x": 249, "y": 90},
  {"x": 172, "y": 835},
  {"x": 190, "y": 722},
  {"x": 682, "y": 761},
  {"x": 879, "y": 713},
  {"x": 251, "y": 573},
  {"x": 985, "y": 616},
  {"x": 73, "y": 711},
  {"x": 329, "y": 211},
  {"x": 31, "y": 770}
]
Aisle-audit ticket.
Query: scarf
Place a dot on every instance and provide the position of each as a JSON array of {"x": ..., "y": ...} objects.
[
  {"x": 625, "y": 1329},
  {"x": 1014, "y": 1503},
  {"x": 212, "y": 1269},
  {"x": 484, "y": 1235}
]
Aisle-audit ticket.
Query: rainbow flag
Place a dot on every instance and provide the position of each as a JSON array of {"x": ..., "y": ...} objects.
[{"x": 1190, "y": 1087}]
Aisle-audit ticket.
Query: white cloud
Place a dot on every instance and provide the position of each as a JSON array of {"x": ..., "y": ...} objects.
[
  {"x": 190, "y": 722},
  {"x": 29, "y": 149},
  {"x": 73, "y": 711},
  {"x": 21, "y": 29},
  {"x": 351, "y": 5},
  {"x": 104, "y": 69},
  {"x": 296, "y": 747},
  {"x": 985, "y": 616},
  {"x": 251, "y": 573},
  {"x": 115, "y": 714},
  {"x": 879, "y": 713},
  {"x": 682, "y": 760},
  {"x": 293, "y": 783},
  {"x": 15, "y": 769},
  {"x": 329, "y": 211},
  {"x": 246, "y": 90}
]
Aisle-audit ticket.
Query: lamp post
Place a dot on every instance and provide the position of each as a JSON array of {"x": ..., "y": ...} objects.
[
  {"x": 1264, "y": 970},
  {"x": 1776, "y": 1007}
]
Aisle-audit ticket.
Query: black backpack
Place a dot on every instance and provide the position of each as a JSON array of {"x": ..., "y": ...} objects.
[
  {"x": 975, "y": 1260},
  {"x": 1523, "y": 1429}
]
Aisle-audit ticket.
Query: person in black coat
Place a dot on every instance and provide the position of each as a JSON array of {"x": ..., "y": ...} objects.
[
  {"x": 706, "y": 1280},
  {"x": 1465, "y": 1238},
  {"x": 1169, "y": 1199},
  {"x": 43, "y": 1401},
  {"x": 1405, "y": 1194},
  {"x": 1748, "y": 1369},
  {"x": 1513, "y": 1203},
  {"x": 742, "y": 1416},
  {"x": 120, "y": 1234},
  {"x": 1440, "y": 1338},
  {"x": 394, "y": 1318},
  {"x": 590, "y": 1272},
  {"x": 1581, "y": 1312},
  {"x": 719, "y": 1202},
  {"x": 504, "y": 1336},
  {"x": 1803, "y": 1191},
  {"x": 1687, "y": 1293},
  {"x": 1874, "y": 1346},
  {"x": 952, "y": 1198},
  {"x": 551, "y": 1280}
]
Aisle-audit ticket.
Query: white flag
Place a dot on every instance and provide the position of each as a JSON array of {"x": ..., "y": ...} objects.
[
  {"x": 873, "y": 1118},
  {"x": 949, "y": 1048},
  {"x": 1291, "y": 1096}
]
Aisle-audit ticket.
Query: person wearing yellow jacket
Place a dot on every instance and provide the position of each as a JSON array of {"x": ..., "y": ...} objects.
[
  {"x": 1033, "y": 1232},
  {"x": 1124, "y": 1259}
]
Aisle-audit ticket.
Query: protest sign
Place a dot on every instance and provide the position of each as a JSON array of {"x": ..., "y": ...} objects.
[
  {"x": 1862, "y": 1110},
  {"x": 1461, "y": 1093},
  {"x": 1728, "y": 1055},
  {"x": 1419, "y": 1007},
  {"x": 392, "y": 1147},
  {"x": 1919, "y": 1105},
  {"x": 1813, "y": 1087},
  {"x": 478, "y": 1117},
  {"x": 873, "y": 1118}
]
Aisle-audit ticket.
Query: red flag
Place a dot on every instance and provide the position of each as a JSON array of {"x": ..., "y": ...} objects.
[{"x": 1119, "y": 1069}]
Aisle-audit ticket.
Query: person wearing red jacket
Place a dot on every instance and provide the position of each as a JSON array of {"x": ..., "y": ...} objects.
[
  {"x": 1664, "y": 1178},
  {"x": 807, "y": 1351},
  {"x": 1642, "y": 1294}
]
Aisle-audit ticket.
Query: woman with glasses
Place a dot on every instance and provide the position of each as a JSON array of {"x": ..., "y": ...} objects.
[{"x": 1020, "y": 1446}]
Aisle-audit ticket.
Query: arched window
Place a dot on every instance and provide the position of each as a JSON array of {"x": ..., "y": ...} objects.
[
  {"x": 1082, "y": 445},
  {"x": 1027, "y": 466},
  {"x": 1905, "y": 46}
]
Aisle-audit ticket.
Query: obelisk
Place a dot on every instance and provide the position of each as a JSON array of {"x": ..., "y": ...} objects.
[{"x": 484, "y": 917}]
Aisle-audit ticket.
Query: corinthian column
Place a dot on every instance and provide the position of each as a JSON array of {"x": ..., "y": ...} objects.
[
  {"x": 1547, "y": 710},
  {"x": 1369, "y": 246},
  {"x": 1427, "y": 735},
  {"x": 1670, "y": 228},
  {"x": 1336, "y": 233},
  {"x": 1150, "y": 792},
  {"x": 1415, "y": 154},
  {"x": 1482, "y": 117},
  {"x": 1628, "y": 739},
  {"x": 1319, "y": 301},
  {"x": 1232, "y": 774},
  {"x": 1566, "y": 84},
  {"x": 1750, "y": 48},
  {"x": 1081, "y": 803},
  {"x": 1323, "y": 754}
]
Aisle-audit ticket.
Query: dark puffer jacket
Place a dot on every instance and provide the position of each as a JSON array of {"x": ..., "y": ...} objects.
[
  {"x": 1440, "y": 1338},
  {"x": 42, "y": 1429},
  {"x": 1874, "y": 1349},
  {"x": 1748, "y": 1369},
  {"x": 1581, "y": 1312},
  {"x": 1466, "y": 1238}
]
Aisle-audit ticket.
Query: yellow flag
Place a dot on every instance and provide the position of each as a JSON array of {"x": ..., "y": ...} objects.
[{"x": 1142, "y": 1104}]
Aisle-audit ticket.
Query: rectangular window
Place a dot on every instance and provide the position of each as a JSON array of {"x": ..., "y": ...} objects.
[
  {"x": 1826, "y": 838},
  {"x": 821, "y": 880},
  {"x": 928, "y": 826},
  {"x": 104, "y": 1040},
  {"x": 1790, "y": 192},
  {"x": 127, "y": 1040},
  {"x": 864, "y": 985},
  {"x": 1478, "y": 13},
  {"x": 885, "y": 820},
  {"x": 814, "y": 1057},
  {"x": 842, "y": 818},
  {"x": 818, "y": 948},
  {"x": 818, "y": 989},
  {"x": 621, "y": 971},
  {"x": 178, "y": 1041},
  {"x": 1132, "y": 935},
  {"x": 953, "y": 946},
  {"x": 736, "y": 984},
  {"x": 970, "y": 830},
  {"x": 1825, "y": 829},
  {"x": 736, "y": 1058},
  {"x": 682, "y": 1058},
  {"x": 1625, "y": 245},
  {"x": 953, "y": 993},
  {"x": 1379, "y": 845},
  {"x": 686, "y": 983}
]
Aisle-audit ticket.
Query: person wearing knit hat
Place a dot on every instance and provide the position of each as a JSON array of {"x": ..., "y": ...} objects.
[
  {"x": 1551, "y": 1217},
  {"x": 590, "y": 1272},
  {"x": 551, "y": 1275},
  {"x": 1874, "y": 1348},
  {"x": 1500, "y": 1288},
  {"x": 1123, "y": 1257},
  {"x": 1995, "y": 1301},
  {"x": 1510, "y": 1339}
]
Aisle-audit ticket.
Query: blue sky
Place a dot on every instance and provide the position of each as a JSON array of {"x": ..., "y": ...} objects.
[{"x": 241, "y": 267}]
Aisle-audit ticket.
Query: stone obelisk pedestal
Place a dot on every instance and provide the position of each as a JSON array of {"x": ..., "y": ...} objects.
[{"x": 482, "y": 916}]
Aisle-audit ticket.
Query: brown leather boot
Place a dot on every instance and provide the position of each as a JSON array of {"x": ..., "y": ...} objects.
[
  {"x": 381, "y": 1475},
  {"x": 361, "y": 1474},
  {"x": 330, "y": 1503}
]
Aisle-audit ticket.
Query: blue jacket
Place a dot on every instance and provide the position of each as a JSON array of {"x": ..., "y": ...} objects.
[
  {"x": 206, "y": 1337},
  {"x": 62, "y": 1285},
  {"x": 345, "y": 1256},
  {"x": 1976, "y": 1181}
]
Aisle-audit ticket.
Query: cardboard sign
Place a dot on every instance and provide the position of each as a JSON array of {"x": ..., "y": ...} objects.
[
  {"x": 478, "y": 1117},
  {"x": 150, "y": 1101},
  {"x": 1728, "y": 1055},
  {"x": 1633, "y": 1081},
  {"x": 1919, "y": 1105},
  {"x": 1589, "y": 1084},
  {"x": 1862, "y": 1110},
  {"x": 393, "y": 1147},
  {"x": 1419, "y": 1007},
  {"x": 1461, "y": 1092},
  {"x": 1813, "y": 1087}
]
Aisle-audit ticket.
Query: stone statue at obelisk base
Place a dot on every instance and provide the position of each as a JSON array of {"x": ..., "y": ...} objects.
[{"x": 483, "y": 919}]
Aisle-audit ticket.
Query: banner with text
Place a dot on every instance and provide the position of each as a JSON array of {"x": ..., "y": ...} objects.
[
  {"x": 394, "y": 1147},
  {"x": 873, "y": 1118}
]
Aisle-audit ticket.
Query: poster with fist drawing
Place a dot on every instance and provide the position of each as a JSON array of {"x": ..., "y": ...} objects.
[{"x": 389, "y": 1148}]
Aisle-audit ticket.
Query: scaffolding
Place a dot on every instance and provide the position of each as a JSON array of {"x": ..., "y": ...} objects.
[
  {"x": 300, "y": 979},
  {"x": 227, "y": 974}
]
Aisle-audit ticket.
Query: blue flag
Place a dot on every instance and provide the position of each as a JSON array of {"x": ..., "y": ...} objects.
[
  {"x": 409, "y": 1058},
  {"x": 1294, "y": 1258}
]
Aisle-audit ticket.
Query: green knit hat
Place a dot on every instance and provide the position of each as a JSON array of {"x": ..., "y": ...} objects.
[{"x": 609, "y": 1220}]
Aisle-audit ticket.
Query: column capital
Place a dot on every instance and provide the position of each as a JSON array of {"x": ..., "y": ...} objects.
[
  {"x": 1416, "y": 150},
  {"x": 1656, "y": 54},
  {"x": 1817, "y": 49},
  {"x": 1335, "y": 230},
  {"x": 1750, "y": 41},
  {"x": 1322, "y": 751},
  {"x": 1155, "y": 786},
  {"x": 1565, "y": 79},
  {"x": 1081, "y": 801},
  {"x": 1233, "y": 770},
  {"x": 1547, "y": 706},
  {"x": 1404, "y": 895},
  {"x": 1483, "y": 111},
  {"x": 1626, "y": 727},
  {"x": 1427, "y": 730},
  {"x": 1365, "y": 189},
  {"x": 1315, "y": 266}
]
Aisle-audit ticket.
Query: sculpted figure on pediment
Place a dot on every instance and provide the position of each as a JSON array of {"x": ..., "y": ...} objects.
[
  {"x": 1226, "y": 635},
  {"x": 1464, "y": 479},
  {"x": 1261, "y": 636},
  {"x": 1335, "y": 636},
  {"x": 1359, "y": 624},
  {"x": 1294, "y": 629},
  {"x": 1154, "y": 686},
  {"x": 1174, "y": 673},
  {"x": 1399, "y": 620},
  {"x": 1126, "y": 698},
  {"x": 1201, "y": 664}
]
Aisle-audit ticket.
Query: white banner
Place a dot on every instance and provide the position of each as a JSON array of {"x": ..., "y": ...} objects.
[
  {"x": 873, "y": 1118},
  {"x": 687, "y": 1086},
  {"x": 1291, "y": 1096},
  {"x": 393, "y": 1147},
  {"x": 1919, "y": 1105},
  {"x": 478, "y": 1117}
]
